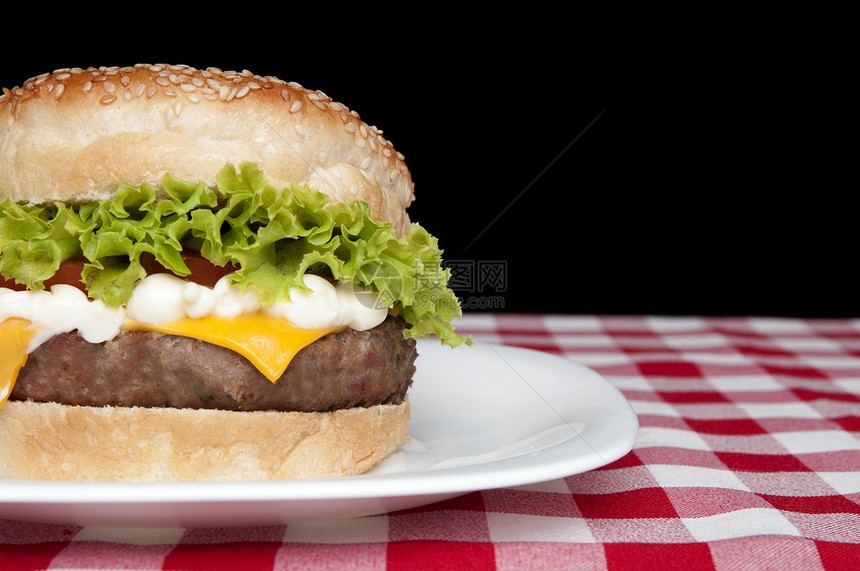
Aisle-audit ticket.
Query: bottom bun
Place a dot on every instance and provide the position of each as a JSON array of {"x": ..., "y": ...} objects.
[{"x": 49, "y": 441}]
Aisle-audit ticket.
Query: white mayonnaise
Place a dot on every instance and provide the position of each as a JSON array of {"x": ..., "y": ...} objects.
[
  {"x": 161, "y": 298},
  {"x": 64, "y": 308},
  {"x": 327, "y": 304}
]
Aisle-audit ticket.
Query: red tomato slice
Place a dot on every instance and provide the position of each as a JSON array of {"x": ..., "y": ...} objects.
[
  {"x": 203, "y": 271},
  {"x": 69, "y": 273}
]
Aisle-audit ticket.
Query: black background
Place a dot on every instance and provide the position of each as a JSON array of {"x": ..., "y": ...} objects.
[{"x": 599, "y": 179}]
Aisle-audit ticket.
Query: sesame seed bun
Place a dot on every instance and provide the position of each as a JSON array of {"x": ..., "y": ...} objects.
[
  {"x": 92, "y": 130},
  {"x": 77, "y": 136}
]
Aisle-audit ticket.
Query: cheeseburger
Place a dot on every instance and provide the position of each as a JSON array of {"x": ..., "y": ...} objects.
[{"x": 206, "y": 275}]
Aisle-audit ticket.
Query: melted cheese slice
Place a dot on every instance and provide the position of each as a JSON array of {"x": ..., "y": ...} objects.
[
  {"x": 269, "y": 343},
  {"x": 15, "y": 335}
]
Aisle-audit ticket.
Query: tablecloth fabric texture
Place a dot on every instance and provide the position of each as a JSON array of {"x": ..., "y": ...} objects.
[{"x": 748, "y": 457}]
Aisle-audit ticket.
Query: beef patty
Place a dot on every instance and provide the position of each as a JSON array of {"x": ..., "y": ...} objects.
[{"x": 140, "y": 368}]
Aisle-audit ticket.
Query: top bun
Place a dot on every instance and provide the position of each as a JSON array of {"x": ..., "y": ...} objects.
[{"x": 75, "y": 135}]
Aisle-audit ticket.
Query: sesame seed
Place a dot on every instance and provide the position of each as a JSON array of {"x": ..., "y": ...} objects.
[{"x": 187, "y": 85}]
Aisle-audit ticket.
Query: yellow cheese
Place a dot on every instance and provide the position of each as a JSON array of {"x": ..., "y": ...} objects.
[
  {"x": 15, "y": 335},
  {"x": 269, "y": 343}
]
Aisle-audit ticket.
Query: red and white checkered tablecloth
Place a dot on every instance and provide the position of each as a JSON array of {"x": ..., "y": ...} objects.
[{"x": 748, "y": 457}]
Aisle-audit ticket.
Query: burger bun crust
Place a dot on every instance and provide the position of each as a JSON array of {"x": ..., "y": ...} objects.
[
  {"x": 56, "y": 442},
  {"x": 92, "y": 130}
]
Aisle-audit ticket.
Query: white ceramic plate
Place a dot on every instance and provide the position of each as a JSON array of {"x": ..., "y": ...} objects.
[{"x": 483, "y": 417}]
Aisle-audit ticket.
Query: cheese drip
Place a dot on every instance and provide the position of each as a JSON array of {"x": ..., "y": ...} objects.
[
  {"x": 15, "y": 335},
  {"x": 268, "y": 342}
]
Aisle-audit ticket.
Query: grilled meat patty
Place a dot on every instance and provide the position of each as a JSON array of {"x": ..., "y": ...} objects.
[{"x": 139, "y": 368}]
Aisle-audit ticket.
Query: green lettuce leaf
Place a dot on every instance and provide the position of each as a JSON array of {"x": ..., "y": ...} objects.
[
  {"x": 273, "y": 235},
  {"x": 46, "y": 243}
]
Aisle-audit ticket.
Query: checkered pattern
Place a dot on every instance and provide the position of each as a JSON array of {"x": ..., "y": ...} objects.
[{"x": 748, "y": 457}]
